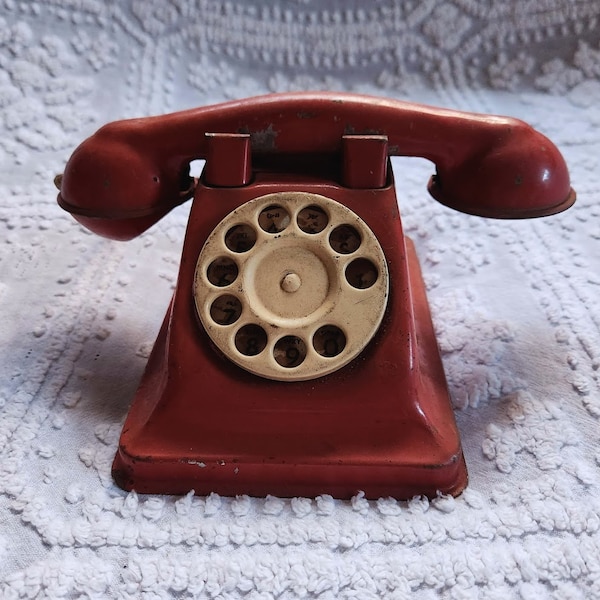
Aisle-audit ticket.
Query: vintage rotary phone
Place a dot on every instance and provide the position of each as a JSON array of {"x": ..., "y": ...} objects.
[{"x": 297, "y": 356}]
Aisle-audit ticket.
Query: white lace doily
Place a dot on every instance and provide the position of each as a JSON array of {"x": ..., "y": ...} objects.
[{"x": 515, "y": 306}]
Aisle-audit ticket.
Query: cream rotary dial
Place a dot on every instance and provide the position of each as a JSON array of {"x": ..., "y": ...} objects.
[{"x": 291, "y": 286}]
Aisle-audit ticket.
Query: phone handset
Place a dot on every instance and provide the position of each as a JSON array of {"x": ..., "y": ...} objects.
[{"x": 130, "y": 173}]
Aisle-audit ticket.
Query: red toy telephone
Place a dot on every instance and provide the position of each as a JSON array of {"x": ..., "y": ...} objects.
[{"x": 297, "y": 356}]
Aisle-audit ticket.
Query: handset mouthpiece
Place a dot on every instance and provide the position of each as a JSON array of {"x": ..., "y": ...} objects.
[{"x": 520, "y": 176}]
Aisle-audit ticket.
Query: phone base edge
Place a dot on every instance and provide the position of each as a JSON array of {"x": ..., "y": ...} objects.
[{"x": 311, "y": 481}]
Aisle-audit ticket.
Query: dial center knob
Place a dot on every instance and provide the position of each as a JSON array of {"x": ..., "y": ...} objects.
[{"x": 291, "y": 283}]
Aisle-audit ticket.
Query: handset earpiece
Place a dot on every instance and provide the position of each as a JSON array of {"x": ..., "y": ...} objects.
[{"x": 117, "y": 185}]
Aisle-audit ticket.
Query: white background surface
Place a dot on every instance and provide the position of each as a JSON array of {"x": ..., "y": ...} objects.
[{"x": 515, "y": 307}]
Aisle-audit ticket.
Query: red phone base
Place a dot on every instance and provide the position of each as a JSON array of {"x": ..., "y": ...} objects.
[{"x": 382, "y": 425}]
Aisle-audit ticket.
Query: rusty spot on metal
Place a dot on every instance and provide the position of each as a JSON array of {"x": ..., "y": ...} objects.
[
  {"x": 264, "y": 139},
  {"x": 351, "y": 130}
]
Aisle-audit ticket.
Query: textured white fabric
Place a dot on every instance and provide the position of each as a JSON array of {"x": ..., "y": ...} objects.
[{"x": 515, "y": 307}]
